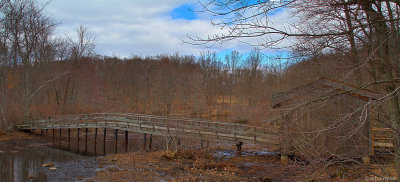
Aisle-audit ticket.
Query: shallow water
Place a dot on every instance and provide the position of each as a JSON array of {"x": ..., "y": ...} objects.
[
  {"x": 225, "y": 154},
  {"x": 91, "y": 148},
  {"x": 22, "y": 160}
]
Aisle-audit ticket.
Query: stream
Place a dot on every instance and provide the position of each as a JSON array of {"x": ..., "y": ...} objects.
[{"x": 22, "y": 160}]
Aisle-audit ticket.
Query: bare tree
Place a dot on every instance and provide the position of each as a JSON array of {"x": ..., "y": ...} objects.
[
  {"x": 61, "y": 48},
  {"x": 233, "y": 60},
  {"x": 25, "y": 39},
  {"x": 253, "y": 63},
  {"x": 367, "y": 32},
  {"x": 83, "y": 44},
  {"x": 208, "y": 63}
]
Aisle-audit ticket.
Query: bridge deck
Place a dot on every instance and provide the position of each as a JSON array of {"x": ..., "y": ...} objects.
[{"x": 159, "y": 125}]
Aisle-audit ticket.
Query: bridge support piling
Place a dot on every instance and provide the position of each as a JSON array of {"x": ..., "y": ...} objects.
[
  {"x": 201, "y": 143},
  {"x": 168, "y": 142},
  {"x": 41, "y": 131},
  {"x": 116, "y": 140},
  {"x": 179, "y": 143},
  {"x": 46, "y": 134},
  {"x": 150, "y": 141},
  {"x": 239, "y": 148},
  {"x": 86, "y": 133},
  {"x": 77, "y": 145},
  {"x": 95, "y": 141},
  {"x": 144, "y": 142},
  {"x": 59, "y": 139},
  {"x": 126, "y": 141},
  {"x": 53, "y": 136},
  {"x": 69, "y": 138},
  {"x": 104, "y": 141}
]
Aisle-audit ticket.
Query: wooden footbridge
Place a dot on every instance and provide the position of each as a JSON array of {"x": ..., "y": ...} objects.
[
  {"x": 160, "y": 125},
  {"x": 169, "y": 127}
]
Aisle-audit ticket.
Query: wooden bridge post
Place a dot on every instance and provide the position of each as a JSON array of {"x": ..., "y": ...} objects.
[
  {"x": 126, "y": 141},
  {"x": 201, "y": 143},
  {"x": 86, "y": 137},
  {"x": 46, "y": 134},
  {"x": 116, "y": 140},
  {"x": 168, "y": 142},
  {"x": 95, "y": 141},
  {"x": 254, "y": 135},
  {"x": 140, "y": 124},
  {"x": 77, "y": 146},
  {"x": 179, "y": 143},
  {"x": 216, "y": 130},
  {"x": 234, "y": 133},
  {"x": 69, "y": 138},
  {"x": 41, "y": 131},
  {"x": 59, "y": 140},
  {"x": 239, "y": 148},
  {"x": 144, "y": 141},
  {"x": 53, "y": 136},
  {"x": 86, "y": 119},
  {"x": 150, "y": 141},
  {"x": 104, "y": 141}
]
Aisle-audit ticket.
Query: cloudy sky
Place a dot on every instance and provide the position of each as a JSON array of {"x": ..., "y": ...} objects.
[{"x": 135, "y": 27}]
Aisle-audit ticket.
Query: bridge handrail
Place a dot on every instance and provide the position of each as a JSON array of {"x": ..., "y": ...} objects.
[{"x": 159, "y": 117}]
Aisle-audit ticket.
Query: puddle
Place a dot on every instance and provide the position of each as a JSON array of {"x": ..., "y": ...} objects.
[
  {"x": 224, "y": 154},
  {"x": 220, "y": 154},
  {"x": 249, "y": 164}
]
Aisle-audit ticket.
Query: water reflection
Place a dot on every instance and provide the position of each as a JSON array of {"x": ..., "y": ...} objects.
[
  {"x": 90, "y": 147},
  {"x": 22, "y": 160}
]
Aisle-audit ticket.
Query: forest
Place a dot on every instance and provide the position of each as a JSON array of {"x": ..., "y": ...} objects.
[
  {"x": 43, "y": 75},
  {"x": 353, "y": 42}
]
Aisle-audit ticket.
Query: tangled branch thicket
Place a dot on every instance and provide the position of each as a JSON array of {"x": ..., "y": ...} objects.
[{"x": 366, "y": 33}]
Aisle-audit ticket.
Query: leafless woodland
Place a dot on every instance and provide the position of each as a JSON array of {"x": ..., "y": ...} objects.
[{"x": 352, "y": 42}]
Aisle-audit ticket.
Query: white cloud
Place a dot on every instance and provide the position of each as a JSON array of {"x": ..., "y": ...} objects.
[{"x": 140, "y": 27}]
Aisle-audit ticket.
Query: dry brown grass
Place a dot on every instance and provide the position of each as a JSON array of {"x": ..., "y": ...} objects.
[
  {"x": 15, "y": 136},
  {"x": 172, "y": 166},
  {"x": 200, "y": 165}
]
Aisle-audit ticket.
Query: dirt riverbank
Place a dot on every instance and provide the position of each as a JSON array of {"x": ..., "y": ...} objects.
[
  {"x": 15, "y": 136},
  {"x": 205, "y": 165},
  {"x": 188, "y": 166}
]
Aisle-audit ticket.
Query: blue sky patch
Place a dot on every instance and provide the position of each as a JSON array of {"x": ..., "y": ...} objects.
[{"x": 185, "y": 11}]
